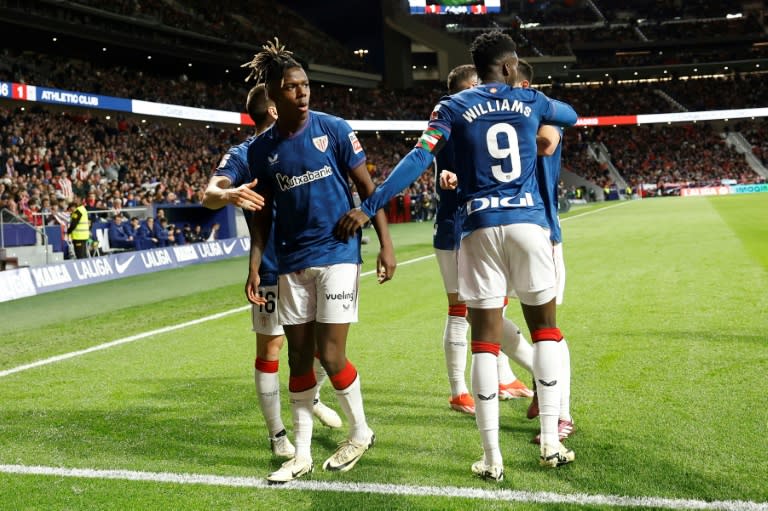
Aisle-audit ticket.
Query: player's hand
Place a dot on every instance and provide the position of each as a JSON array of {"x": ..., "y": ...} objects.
[
  {"x": 385, "y": 264},
  {"x": 244, "y": 197},
  {"x": 348, "y": 225},
  {"x": 448, "y": 180},
  {"x": 252, "y": 289}
]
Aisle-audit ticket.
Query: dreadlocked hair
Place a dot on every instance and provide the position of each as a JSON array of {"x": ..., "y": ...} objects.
[{"x": 270, "y": 63}]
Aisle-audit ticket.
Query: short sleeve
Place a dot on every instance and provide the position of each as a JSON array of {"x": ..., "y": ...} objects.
[
  {"x": 234, "y": 166},
  {"x": 350, "y": 151}
]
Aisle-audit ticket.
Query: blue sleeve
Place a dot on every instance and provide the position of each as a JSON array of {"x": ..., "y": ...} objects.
[
  {"x": 558, "y": 113},
  {"x": 234, "y": 166},
  {"x": 350, "y": 151},
  {"x": 405, "y": 172}
]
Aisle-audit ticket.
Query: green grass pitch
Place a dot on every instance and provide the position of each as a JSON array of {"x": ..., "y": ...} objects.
[{"x": 666, "y": 314}]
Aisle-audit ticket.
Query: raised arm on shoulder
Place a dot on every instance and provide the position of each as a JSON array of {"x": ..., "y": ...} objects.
[{"x": 561, "y": 114}]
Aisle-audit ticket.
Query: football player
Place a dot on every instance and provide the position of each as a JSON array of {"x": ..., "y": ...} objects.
[
  {"x": 303, "y": 164},
  {"x": 447, "y": 234},
  {"x": 231, "y": 184},
  {"x": 505, "y": 245}
]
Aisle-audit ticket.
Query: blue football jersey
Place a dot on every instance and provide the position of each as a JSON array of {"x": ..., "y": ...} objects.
[
  {"x": 493, "y": 129},
  {"x": 548, "y": 176},
  {"x": 308, "y": 176},
  {"x": 447, "y": 233},
  {"x": 234, "y": 166}
]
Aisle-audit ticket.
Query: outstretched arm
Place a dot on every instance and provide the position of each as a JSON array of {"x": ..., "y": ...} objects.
[
  {"x": 219, "y": 193},
  {"x": 406, "y": 172},
  {"x": 560, "y": 114}
]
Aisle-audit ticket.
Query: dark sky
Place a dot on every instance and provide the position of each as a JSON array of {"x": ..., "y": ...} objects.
[{"x": 355, "y": 23}]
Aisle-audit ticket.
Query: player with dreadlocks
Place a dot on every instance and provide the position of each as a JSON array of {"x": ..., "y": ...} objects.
[
  {"x": 231, "y": 184},
  {"x": 303, "y": 164}
]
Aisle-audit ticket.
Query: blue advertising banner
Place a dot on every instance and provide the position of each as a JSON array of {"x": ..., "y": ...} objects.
[
  {"x": 756, "y": 188},
  {"x": 23, "y": 282},
  {"x": 83, "y": 99}
]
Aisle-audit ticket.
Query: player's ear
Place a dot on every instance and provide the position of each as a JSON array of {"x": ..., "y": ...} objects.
[{"x": 509, "y": 70}]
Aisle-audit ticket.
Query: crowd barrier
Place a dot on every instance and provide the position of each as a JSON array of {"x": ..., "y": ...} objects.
[
  {"x": 724, "y": 190},
  {"x": 27, "y": 92},
  {"x": 24, "y": 282}
]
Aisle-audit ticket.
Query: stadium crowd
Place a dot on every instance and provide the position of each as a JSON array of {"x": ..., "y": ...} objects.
[
  {"x": 49, "y": 157},
  {"x": 756, "y": 133},
  {"x": 667, "y": 156}
]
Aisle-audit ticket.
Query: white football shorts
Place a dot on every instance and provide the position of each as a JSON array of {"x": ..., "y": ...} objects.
[
  {"x": 506, "y": 260},
  {"x": 265, "y": 317},
  {"x": 557, "y": 254},
  {"x": 326, "y": 294},
  {"x": 448, "y": 261}
]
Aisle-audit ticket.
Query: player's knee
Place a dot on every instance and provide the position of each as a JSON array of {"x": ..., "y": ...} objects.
[{"x": 536, "y": 298}]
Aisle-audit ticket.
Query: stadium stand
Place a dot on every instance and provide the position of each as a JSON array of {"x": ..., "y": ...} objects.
[{"x": 144, "y": 162}]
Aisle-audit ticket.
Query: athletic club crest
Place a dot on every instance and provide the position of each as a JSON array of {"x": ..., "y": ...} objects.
[{"x": 321, "y": 143}]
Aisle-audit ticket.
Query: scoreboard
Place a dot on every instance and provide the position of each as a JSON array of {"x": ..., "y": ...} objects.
[
  {"x": 454, "y": 6},
  {"x": 17, "y": 91}
]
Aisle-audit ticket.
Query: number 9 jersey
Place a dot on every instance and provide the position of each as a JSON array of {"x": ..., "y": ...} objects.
[{"x": 492, "y": 128}]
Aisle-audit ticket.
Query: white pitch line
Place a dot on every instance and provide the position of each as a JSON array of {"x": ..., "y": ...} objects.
[
  {"x": 144, "y": 335},
  {"x": 124, "y": 340},
  {"x": 622, "y": 203},
  {"x": 392, "y": 489}
]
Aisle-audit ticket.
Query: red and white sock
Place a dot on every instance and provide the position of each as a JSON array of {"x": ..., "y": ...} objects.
[
  {"x": 455, "y": 347},
  {"x": 485, "y": 387},
  {"x": 302, "y": 390},
  {"x": 347, "y": 385},
  {"x": 565, "y": 394},
  {"x": 547, "y": 366},
  {"x": 268, "y": 390}
]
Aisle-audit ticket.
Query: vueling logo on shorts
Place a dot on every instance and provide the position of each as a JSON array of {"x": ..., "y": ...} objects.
[{"x": 340, "y": 296}]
